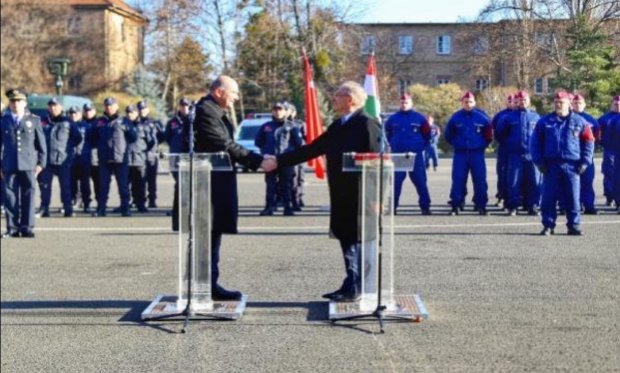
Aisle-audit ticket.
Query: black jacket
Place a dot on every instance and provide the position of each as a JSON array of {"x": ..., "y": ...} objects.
[
  {"x": 214, "y": 133},
  {"x": 359, "y": 134}
]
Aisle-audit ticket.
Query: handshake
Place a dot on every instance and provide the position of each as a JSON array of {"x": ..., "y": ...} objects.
[{"x": 269, "y": 163}]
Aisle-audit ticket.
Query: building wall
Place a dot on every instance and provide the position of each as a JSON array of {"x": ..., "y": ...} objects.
[{"x": 124, "y": 40}]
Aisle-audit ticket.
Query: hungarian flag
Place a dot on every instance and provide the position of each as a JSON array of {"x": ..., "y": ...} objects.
[
  {"x": 314, "y": 124},
  {"x": 372, "y": 106}
]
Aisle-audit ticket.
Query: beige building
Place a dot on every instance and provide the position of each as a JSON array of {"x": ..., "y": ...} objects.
[{"x": 104, "y": 39}]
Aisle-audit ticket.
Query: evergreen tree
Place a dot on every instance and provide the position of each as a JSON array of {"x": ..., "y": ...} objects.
[
  {"x": 591, "y": 67},
  {"x": 143, "y": 85}
]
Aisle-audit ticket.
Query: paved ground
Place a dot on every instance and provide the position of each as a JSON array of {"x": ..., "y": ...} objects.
[{"x": 500, "y": 297}]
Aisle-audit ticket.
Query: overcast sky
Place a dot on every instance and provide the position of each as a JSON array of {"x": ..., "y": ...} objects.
[{"x": 421, "y": 10}]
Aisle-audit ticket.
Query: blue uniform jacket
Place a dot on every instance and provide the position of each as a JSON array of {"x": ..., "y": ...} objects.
[
  {"x": 407, "y": 131},
  {"x": 23, "y": 146},
  {"x": 515, "y": 129},
  {"x": 287, "y": 138},
  {"x": 562, "y": 139},
  {"x": 265, "y": 138},
  {"x": 596, "y": 129},
  {"x": 112, "y": 136},
  {"x": 605, "y": 123},
  {"x": 176, "y": 134},
  {"x": 156, "y": 129},
  {"x": 62, "y": 137},
  {"x": 469, "y": 130},
  {"x": 145, "y": 141}
]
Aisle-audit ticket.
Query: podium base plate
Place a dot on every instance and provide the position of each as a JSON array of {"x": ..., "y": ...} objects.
[
  {"x": 165, "y": 305},
  {"x": 409, "y": 307}
]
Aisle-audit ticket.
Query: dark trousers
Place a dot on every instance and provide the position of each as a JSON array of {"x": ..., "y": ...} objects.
[
  {"x": 463, "y": 163},
  {"x": 121, "y": 174},
  {"x": 271, "y": 190},
  {"x": 80, "y": 182},
  {"x": 19, "y": 201},
  {"x": 501, "y": 167},
  {"x": 607, "y": 169},
  {"x": 298, "y": 187},
  {"x": 152, "y": 167},
  {"x": 430, "y": 154},
  {"x": 418, "y": 177},
  {"x": 285, "y": 184},
  {"x": 561, "y": 183},
  {"x": 588, "y": 197},
  {"x": 63, "y": 172},
  {"x": 351, "y": 253},
  {"x": 137, "y": 179},
  {"x": 216, "y": 243},
  {"x": 175, "y": 202},
  {"x": 523, "y": 182}
]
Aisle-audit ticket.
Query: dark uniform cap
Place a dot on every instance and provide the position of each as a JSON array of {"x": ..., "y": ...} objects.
[
  {"x": 88, "y": 106},
  {"x": 15, "y": 94},
  {"x": 74, "y": 109},
  {"x": 53, "y": 101},
  {"x": 185, "y": 101},
  {"x": 279, "y": 105},
  {"x": 142, "y": 104},
  {"x": 130, "y": 109},
  {"x": 109, "y": 101}
]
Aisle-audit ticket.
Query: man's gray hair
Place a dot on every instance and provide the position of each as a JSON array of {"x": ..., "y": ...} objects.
[
  {"x": 356, "y": 91},
  {"x": 222, "y": 81}
]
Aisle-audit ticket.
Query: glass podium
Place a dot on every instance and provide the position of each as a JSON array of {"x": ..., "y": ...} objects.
[
  {"x": 376, "y": 225},
  {"x": 195, "y": 230}
]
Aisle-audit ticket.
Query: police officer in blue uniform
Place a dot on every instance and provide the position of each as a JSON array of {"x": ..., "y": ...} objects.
[
  {"x": 298, "y": 181},
  {"x": 588, "y": 196},
  {"x": 287, "y": 138},
  {"x": 265, "y": 141},
  {"x": 607, "y": 166},
  {"x": 152, "y": 160},
  {"x": 176, "y": 135},
  {"x": 501, "y": 163},
  {"x": 112, "y": 137},
  {"x": 562, "y": 147},
  {"x": 431, "y": 153},
  {"x": 137, "y": 156},
  {"x": 80, "y": 179},
  {"x": 62, "y": 138},
  {"x": 409, "y": 132},
  {"x": 469, "y": 132},
  {"x": 523, "y": 181},
  {"x": 24, "y": 155}
]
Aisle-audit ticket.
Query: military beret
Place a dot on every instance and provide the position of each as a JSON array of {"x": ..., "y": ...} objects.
[
  {"x": 562, "y": 95},
  {"x": 53, "y": 101},
  {"x": 405, "y": 96},
  {"x": 468, "y": 94},
  {"x": 616, "y": 98},
  {"x": 87, "y": 107},
  {"x": 510, "y": 97},
  {"x": 522, "y": 95},
  {"x": 578, "y": 97},
  {"x": 109, "y": 101},
  {"x": 185, "y": 101},
  {"x": 278, "y": 105},
  {"x": 130, "y": 109},
  {"x": 142, "y": 104},
  {"x": 15, "y": 94}
]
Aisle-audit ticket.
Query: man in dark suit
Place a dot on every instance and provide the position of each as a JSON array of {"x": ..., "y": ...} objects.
[
  {"x": 214, "y": 133},
  {"x": 354, "y": 131},
  {"x": 24, "y": 155}
]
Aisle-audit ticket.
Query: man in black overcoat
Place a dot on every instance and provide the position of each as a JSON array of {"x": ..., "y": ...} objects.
[
  {"x": 356, "y": 132},
  {"x": 214, "y": 133}
]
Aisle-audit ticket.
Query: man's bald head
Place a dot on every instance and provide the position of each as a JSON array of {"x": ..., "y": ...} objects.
[{"x": 225, "y": 91}]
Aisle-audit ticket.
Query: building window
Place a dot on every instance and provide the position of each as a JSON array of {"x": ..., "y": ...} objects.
[
  {"x": 403, "y": 85},
  {"x": 481, "y": 45},
  {"x": 74, "y": 25},
  {"x": 482, "y": 84},
  {"x": 368, "y": 44},
  {"x": 539, "y": 86},
  {"x": 75, "y": 82},
  {"x": 543, "y": 39},
  {"x": 443, "y": 80},
  {"x": 444, "y": 44},
  {"x": 405, "y": 44}
]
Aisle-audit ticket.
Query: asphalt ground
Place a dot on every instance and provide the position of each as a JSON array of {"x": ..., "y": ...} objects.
[{"x": 500, "y": 297}]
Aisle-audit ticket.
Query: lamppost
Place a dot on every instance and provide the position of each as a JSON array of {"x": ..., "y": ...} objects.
[{"x": 58, "y": 67}]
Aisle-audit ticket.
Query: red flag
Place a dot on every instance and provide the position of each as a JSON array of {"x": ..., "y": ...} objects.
[{"x": 314, "y": 124}]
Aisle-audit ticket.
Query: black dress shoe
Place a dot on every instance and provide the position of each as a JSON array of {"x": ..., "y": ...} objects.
[
  {"x": 152, "y": 205},
  {"x": 454, "y": 211},
  {"x": 331, "y": 295},
  {"x": 266, "y": 212},
  {"x": 27, "y": 234},
  {"x": 574, "y": 232},
  {"x": 289, "y": 212},
  {"x": 347, "y": 297},
  {"x": 219, "y": 293},
  {"x": 483, "y": 211},
  {"x": 547, "y": 232},
  {"x": 10, "y": 235},
  {"x": 591, "y": 212},
  {"x": 426, "y": 212},
  {"x": 512, "y": 212}
]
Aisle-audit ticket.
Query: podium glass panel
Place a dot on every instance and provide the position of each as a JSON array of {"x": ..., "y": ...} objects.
[
  {"x": 376, "y": 212},
  {"x": 203, "y": 165}
]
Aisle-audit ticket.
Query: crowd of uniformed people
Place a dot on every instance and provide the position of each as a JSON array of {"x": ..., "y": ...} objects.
[{"x": 544, "y": 162}]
